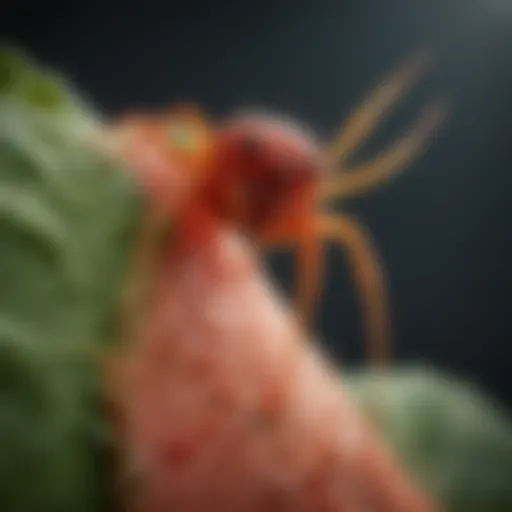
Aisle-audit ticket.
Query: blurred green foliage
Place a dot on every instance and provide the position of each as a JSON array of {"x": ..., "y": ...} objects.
[
  {"x": 68, "y": 218},
  {"x": 455, "y": 440}
]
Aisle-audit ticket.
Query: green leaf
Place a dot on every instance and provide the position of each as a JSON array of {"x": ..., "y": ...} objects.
[
  {"x": 452, "y": 437},
  {"x": 68, "y": 219}
]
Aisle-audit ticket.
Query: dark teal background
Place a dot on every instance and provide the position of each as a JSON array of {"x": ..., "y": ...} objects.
[{"x": 444, "y": 228}]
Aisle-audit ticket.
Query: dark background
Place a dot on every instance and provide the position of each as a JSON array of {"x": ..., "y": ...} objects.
[{"x": 444, "y": 228}]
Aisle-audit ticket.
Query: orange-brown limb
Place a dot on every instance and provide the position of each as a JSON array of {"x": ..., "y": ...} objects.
[
  {"x": 367, "y": 117},
  {"x": 369, "y": 278},
  {"x": 366, "y": 269},
  {"x": 297, "y": 229},
  {"x": 388, "y": 164},
  {"x": 310, "y": 267}
]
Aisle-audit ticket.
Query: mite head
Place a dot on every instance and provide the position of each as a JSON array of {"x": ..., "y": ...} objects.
[{"x": 265, "y": 169}]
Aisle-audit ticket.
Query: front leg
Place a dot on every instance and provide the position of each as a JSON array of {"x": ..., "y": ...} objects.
[
  {"x": 369, "y": 278},
  {"x": 301, "y": 234},
  {"x": 309, "y": 280}
]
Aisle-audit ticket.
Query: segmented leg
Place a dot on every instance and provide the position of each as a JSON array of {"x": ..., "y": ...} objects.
[
  {"x": 309, "y": 275},
  {"x": 296, "y": 230},
  {"x": 369, "y": 279},
  {"x": 367, "y": 273},
  {"x": 367, "y": 269},
  {"x": 362, "y": 178},
  {"x": 368, "y": 116}
]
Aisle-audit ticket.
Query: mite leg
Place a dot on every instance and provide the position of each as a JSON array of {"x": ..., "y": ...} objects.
[
  {"x": 369, "y": 279},
  {"x": 367, "y": 273},
  {"x": 310, "y": 266},
  {"x": 388, "y": 164},
  {"x": 367, "y": 117},
  {"x": 297, "y": 229}
]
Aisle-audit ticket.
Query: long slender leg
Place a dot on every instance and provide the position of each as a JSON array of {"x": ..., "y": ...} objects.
[
  {"x": 367, "y": 273},
  {"x": 309, "y": 275},
  {"x": 310, "y": 266},
  {"x": 369, "y": 278},
  {"x": 367, "y": 117},
  {"x": 392, "y": 161},
  {"x": 297, "y": 229},
  {"x": 310, "y": 270}
]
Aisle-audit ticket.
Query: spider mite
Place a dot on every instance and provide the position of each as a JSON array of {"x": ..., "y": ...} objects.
[{"x": 272, "y": 179}]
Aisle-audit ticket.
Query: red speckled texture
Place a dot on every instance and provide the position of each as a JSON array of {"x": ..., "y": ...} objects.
[
  {"x": 143, "y": 143},
  {"x": 231, "y": 409}
]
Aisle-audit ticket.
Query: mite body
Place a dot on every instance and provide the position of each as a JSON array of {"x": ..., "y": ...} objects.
[{"x": 270, "y": 179}]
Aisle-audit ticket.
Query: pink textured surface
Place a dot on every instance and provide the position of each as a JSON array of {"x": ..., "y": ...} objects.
[
  {"x": 231, "y": 409},
  {"x": 145, "y": 147}
]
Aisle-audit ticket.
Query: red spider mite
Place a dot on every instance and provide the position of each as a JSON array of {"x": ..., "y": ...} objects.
[{"x": 270, "y": 178}]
